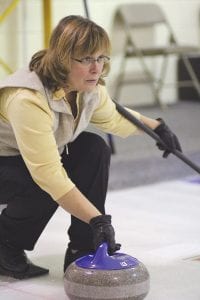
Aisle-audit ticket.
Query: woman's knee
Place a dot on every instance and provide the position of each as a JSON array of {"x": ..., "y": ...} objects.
[{"x": 96, "y": 144}]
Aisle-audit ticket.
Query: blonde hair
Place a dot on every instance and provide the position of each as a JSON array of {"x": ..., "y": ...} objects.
[{"x": 74, "y": 36}]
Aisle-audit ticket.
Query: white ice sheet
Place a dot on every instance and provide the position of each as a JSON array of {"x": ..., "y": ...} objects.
[{"x": 159, "y": 224}]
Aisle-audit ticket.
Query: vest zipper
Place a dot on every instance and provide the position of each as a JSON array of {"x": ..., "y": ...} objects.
[{"x": 67, "y": 150}]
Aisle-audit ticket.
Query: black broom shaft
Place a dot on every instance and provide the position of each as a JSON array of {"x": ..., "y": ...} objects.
[{"x": 151, "y": 133}]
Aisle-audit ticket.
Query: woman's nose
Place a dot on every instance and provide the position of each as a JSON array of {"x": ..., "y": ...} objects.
[{"x": 95, "y": 67}]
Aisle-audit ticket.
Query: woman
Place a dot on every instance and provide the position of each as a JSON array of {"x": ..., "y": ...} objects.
[{"x": 47, "y": 159}]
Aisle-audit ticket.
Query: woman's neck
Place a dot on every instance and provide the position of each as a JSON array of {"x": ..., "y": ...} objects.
[
  {"x": 70, "y": 95},
  {"x": 71, "y": 99}
]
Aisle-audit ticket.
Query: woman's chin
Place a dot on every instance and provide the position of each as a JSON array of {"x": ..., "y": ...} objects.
[{"x": 89, "y": 88}]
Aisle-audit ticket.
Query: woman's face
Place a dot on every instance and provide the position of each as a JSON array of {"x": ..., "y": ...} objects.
[{"x": 84, "y": 74}]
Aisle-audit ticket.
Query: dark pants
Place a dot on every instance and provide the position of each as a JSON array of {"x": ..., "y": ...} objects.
[{"x": 30, "y": 208}]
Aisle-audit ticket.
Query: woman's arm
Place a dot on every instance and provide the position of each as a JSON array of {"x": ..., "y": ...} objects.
[
  {"x": 78, "y": 205},
  {"x": 151, "y": 123}
]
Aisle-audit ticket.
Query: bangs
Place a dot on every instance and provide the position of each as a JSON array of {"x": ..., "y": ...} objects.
[{"x": 92, "y": 40}]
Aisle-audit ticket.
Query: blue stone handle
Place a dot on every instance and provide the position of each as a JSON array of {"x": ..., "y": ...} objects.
[
  {"x": 101, "y": 260},
  {"x": 101, "y": 254}
]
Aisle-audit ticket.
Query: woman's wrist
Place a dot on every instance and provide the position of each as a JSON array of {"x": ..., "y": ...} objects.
[{"x": 151, "y": 123}]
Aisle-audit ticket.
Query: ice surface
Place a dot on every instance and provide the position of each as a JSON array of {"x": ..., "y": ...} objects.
[{"x": 159, "y": 224}]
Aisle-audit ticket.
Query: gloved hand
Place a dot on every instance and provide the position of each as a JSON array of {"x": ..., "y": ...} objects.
[
  {"x": 103, "y": 231},
  {"x": 168, "y": 137}
]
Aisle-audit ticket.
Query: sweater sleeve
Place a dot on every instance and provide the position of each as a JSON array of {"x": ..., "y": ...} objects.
[
  {"x": 108, "y": 119},
  {"x": 32, "y": 121}
]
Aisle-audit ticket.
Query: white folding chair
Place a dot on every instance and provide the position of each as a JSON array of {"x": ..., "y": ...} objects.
[{"x": 136, "y": 16}]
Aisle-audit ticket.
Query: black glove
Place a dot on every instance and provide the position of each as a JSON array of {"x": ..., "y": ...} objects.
[
  {"x": 103, "y": 231},
  {"x": 168, "y": 137}
]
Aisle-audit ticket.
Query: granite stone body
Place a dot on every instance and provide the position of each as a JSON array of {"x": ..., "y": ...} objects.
[{"x": 91, "y": 284}]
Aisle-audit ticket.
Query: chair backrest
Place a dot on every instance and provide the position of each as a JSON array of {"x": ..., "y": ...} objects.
[
  {"x": 136, "y": 19},
  {"x": 141, "y": 14}
]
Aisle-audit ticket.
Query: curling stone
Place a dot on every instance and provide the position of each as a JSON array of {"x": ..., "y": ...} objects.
[{"x": 100, "y": 276}]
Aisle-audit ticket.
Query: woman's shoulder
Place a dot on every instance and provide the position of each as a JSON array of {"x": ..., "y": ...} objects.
[{"x": 23, "y": 78}]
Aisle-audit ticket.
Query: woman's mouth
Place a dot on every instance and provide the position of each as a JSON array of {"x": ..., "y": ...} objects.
[{"x": 91, "y": 81}]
